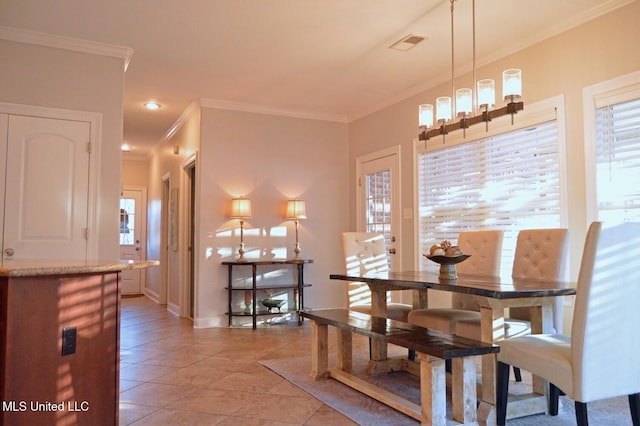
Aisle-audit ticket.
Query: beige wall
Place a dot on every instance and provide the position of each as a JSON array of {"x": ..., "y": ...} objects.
[
  {"x": 57, "y": 78},
  {"x": 271, "y": 159},
  {"x": 165, "y": 164},
  {"x": 135, "y": 172},
  {"x": 563, "y": 65}
]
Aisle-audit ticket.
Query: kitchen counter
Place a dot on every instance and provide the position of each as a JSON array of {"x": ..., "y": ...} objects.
[
  {"x": 36, "y": 267},
  {"x": 60, "y": 340}
]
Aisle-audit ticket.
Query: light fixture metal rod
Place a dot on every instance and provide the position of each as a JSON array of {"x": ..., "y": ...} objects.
[
  {"x": 453, "y": 85},
  {"x": 473, "y": 29}
]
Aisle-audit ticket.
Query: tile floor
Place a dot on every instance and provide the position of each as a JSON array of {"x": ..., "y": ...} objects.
[{"x": 173, "y": 374}]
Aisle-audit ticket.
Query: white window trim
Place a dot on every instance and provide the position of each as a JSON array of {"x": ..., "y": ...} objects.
[
  {"x": 617, "y": 90},
  {"x": 535, "y": 113}
]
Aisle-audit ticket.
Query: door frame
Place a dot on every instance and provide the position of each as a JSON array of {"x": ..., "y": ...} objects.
[
  {"x": 94, "y": 143},
  {"x": 143, "y": 229},
  {"x": 395, "y": 152},
  {"x": 187, "y": 229}
]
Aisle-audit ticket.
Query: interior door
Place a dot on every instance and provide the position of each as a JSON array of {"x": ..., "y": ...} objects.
[
  {"x": 47, "y": 184},
  {"x": 131, "y": 226},
  {"x": 379, "y": 201}
]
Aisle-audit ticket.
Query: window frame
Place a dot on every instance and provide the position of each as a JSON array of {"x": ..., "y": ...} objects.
[
  {"x": 536, "y": 113},
  {"x": 610, "y": 92}
]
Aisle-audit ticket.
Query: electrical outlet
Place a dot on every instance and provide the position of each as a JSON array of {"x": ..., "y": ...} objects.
[{"x": 68, "y": 341}]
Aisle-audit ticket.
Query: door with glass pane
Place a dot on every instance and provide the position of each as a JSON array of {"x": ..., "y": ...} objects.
[
  {"x": 131, "y": 243},
  {"x": 378, "y": 207}
]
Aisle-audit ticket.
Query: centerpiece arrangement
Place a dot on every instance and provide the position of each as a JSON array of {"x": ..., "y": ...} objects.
[{"x": 446, "y": 255}]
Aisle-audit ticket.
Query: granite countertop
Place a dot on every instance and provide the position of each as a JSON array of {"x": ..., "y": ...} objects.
[{"x": 39, "y": 267}]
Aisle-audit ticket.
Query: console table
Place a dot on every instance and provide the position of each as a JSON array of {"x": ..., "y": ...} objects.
[{"x": 297, "y": 286}]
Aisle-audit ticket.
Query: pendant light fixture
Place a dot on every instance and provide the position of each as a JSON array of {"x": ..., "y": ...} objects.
[{"x": 462, "y": 104}]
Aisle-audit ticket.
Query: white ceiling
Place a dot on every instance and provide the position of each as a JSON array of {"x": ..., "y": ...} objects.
[{"x": 317, "y": 58}]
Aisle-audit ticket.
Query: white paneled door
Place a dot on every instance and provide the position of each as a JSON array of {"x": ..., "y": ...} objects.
[
  {"x": 131, "y": 226},
  {"x": 46, "y": 188},
  {"x": 379, "y": 204}
]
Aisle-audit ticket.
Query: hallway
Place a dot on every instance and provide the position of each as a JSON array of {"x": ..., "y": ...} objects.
[{"x": 173, "y": 374}]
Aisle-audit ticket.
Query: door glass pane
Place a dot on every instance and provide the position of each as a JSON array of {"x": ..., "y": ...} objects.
[
  {"x": 127, "y": 220},
  {"x": 378, "y": 214}
]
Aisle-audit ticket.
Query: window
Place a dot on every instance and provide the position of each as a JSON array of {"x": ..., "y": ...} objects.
[
  {"x": 508, "y": 180},
  {"x": 612, "y": 130}
]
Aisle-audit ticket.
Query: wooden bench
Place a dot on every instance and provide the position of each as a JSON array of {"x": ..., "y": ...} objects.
[{"x": 432, "y": 349}]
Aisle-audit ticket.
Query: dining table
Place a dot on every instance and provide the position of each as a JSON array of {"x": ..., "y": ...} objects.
[{"x": 494, "y": 295}]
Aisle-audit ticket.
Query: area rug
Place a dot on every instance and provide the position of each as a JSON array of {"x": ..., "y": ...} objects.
[{"x": 367, "y": 411}]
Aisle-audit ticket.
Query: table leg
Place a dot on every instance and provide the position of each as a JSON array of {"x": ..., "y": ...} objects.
[
  {"x": 319, "y": 351},
  {"x": 378, "y": 309},
  {"x": 344, "y": 350},
  {"x": 420, "y": 298},
  {"x": 432, "y": 390}
]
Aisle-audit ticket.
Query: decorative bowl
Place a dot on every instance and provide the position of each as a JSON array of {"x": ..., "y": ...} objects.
[
  {"x": 273, "y": 304},
  {"x": 448, "y": 264}
]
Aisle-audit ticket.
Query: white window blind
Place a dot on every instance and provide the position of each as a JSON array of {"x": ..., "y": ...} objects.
[
  {"x": 509, "y": 181},
  {"x": 618, "y": 161}
]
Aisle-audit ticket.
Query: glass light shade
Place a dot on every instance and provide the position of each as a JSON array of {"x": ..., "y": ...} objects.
[
  {"x": 486, "y": 93},
  {"x": 443, "y": 108},
  {"x": 425, "y": 115},
  {"x": 296, "y": 210},
  {"x": 240, "y": 208},
  {"x": 512, "y": 83},
  {"x": 464, "y": 101}
]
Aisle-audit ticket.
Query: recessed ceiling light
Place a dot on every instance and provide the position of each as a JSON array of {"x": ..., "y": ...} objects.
[
  {"x": 126, "y": 147},
  {"x": 407, "y": 42},
  {"x": 152, "y": 105}
]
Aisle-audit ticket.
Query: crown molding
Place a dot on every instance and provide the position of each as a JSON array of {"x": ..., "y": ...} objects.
[
  {"x": 261, "y": 109},
  {"x": 586, "y": 16},
  {"x": 67, "y": 43}
]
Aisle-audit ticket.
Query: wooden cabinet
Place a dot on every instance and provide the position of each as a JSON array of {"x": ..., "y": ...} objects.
[
  {"x": 258, "y": 286},
  {"x": 42, "y": 386}
]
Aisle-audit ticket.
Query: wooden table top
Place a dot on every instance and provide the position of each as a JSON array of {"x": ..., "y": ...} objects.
[{"x": 494, "y": 287}]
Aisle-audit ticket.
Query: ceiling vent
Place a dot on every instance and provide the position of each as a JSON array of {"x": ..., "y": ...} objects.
[{"x": 407, "y": 42}]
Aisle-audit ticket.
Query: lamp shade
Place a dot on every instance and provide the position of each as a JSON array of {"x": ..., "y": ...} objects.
[
  {"x": 240, "y": 208},
  {"x": 296, "y": 209},
  {"x": 443, "y": 108},
  {"x": 425, "y": 115},
  {"x": 511, "y": 83},
  {"x": 486, "y": 93},
  {"x": 464, "y": 101}
]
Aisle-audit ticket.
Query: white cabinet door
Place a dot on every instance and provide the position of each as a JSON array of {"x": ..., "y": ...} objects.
[{"x": 47, "y": 184}]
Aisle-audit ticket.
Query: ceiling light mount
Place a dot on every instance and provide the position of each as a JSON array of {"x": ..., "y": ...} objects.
[{"x": 151, "y": 105}]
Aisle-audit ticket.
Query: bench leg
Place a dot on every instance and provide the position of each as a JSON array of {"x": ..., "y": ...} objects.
[
  {"x": 344, "y": 350},
  {"x": 433, "y": 395},
  {"x": 463, "y": 390},
  {"x": 319, "y": 350}
]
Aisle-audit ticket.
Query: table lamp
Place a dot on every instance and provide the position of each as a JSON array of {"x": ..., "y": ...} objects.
[
  {"x": 296, "y": 210},
  {"x": 241, "y": 209}
]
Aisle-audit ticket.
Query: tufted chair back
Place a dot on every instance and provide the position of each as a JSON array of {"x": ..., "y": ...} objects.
[
  {"x": 363, "y": 252},
  {"x": 485, "y": 248},
  {"x": 540, "y": 255}
]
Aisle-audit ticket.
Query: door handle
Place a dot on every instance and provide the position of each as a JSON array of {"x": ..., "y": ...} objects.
[
  {"x": 137, "y": 248},
  {"x": 9, "y": 252},
  {"x": 392, "y": 251}
]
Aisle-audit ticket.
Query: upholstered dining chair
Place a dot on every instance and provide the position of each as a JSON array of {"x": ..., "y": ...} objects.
[
  {"x": 540, "y": 255},
  {"x": 485, "y": 248},
  {"x": 591, "y": 364},
  {"x": 366, "y": 252}
]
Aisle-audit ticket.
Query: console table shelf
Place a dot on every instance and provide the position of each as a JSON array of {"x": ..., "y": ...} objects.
[{"x": 297, "y": 286}]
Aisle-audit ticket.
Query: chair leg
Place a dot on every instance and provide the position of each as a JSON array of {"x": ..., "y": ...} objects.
[
  {"x": 554, "y": 396},
  {"x": 634, "y": 405},
  {"x": 502, "y": 393},
  {"x": 581, "y": 414},
  {"x": 517, "y": 374}
]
